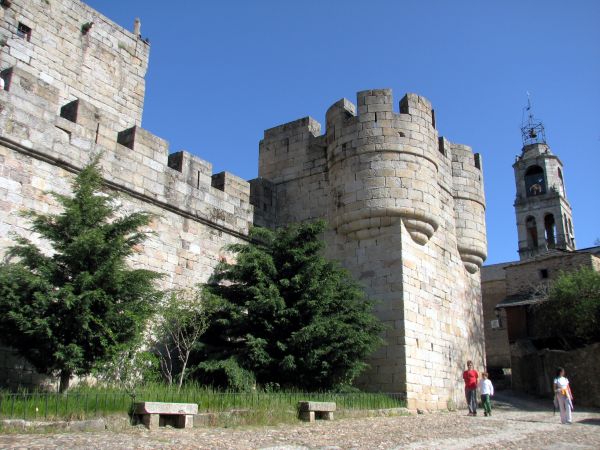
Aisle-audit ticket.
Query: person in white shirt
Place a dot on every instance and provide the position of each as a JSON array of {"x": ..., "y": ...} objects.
[
  {"x": 563, "y": 396},
  {"x": 487, "y": 390}
]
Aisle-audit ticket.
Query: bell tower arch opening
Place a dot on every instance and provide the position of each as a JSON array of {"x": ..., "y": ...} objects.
[
  {"x": 532, "y": 234},
  {"x": 535, "y": 183},
  {"x": 550, "y": 231}
]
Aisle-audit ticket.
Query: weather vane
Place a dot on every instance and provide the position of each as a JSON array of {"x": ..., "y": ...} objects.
[{"x": 532, "y": 130}]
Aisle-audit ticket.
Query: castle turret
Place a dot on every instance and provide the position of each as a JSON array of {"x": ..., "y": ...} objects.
[
  {"x": 544, "y": 217},
  {"x": 469, "y": 205},
  {"x": 383, "y": 166},
  {"x": 406, "y": 215}
]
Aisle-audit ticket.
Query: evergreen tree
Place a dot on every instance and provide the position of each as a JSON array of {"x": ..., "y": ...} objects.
[
  {"x": 69, "y": 310},
  {"x": 287, "y": 314}
]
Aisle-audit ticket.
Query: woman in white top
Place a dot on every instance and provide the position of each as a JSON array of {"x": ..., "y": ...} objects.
[{"x": 563, "y": 395}]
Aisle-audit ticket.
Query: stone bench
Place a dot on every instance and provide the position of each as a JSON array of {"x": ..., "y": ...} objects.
[
  {"x": 309, "y": 411},
  {"x": 158, "y": 414}
]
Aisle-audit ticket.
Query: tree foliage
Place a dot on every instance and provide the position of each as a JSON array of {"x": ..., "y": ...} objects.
[
  {"x": 129, "y": 368},
  {"x": 182, "y": 322},
  {"x": 288, "y": 315},
  {"x": 572, "y": 311},
  {"x": 225, "y": 374},
  {"x": 69, "y": 309}
]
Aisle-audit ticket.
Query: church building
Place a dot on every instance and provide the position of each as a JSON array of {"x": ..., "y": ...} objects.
[{"x": 546, "y": 246}]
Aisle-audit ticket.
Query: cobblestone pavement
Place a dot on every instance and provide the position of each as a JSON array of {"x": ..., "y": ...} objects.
[{"x": 514, "y": 425}]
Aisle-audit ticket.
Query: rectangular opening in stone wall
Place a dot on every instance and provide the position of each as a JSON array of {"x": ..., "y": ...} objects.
[
  {"x": 433, "y": 118},
  {"x": 477, "y": 157},
  {"x": 5, "y": 77},
  {"x": 218, "y": 181},
  {"x": 543, "y": 274},
  {"x": 69, "y": 111},
  {"x": 404, "y": 105},
  {"x": 175, "y": 161},
  {"x": 126, "y": 138},
  {"x": 23, "y": 31},
  {"x": 441, "y": 147}
]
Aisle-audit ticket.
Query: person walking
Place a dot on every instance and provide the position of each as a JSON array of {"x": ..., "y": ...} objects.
[
  {"x": 470, "y": 377},
  {"x": 486, "y": 389},
  {"x": 563, "y": 395}
]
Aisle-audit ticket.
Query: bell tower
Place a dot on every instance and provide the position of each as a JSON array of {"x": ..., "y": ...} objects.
[{"x": 544, "y": 217}]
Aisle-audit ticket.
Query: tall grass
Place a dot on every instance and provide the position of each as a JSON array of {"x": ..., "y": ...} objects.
[{"x": 87, "y": 402}]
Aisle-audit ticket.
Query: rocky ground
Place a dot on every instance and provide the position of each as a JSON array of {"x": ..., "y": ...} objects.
[{"x": 516, "y": 423}]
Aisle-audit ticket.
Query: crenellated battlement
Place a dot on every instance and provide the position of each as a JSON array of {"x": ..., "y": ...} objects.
[
  {"x": 407, "y": 214},
  {"x": 412, "y": 165},
  {"x": 80, "y": 52},
  {"x": 134, "y": 160},
  {"x": 73, "y": 87},
  {"x": 405, "y": 206}
]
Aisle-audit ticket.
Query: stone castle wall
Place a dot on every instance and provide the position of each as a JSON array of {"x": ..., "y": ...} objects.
[
  {"x": 406, "y": 210},
  {"x": 51, "y": 126},
  {"x": 196, "y": 213},
  {"x": 406, "y": 207},
  {"x": 105, "y": 66}
]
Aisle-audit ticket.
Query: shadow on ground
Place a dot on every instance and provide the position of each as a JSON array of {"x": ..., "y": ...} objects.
[
  {"x": 507, "y": 400},
  {"x": 589, "y": 421}
]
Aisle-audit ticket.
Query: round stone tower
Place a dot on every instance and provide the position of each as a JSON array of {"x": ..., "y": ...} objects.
[
  {"x": 406, "y": 215},
  {"x": 382, "y": 166},
  {"x": 469, "y": 206}
]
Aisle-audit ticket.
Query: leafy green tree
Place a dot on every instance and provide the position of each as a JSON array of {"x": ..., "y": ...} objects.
[
  {"x": 73, "y": 308},
  {"x": 572, "y": 311},
  {"x": 182, "y": 322},
  {"x": 287, "y": 314}
]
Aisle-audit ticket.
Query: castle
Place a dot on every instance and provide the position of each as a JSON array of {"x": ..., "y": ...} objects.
[{"x": 406, "y": 207}]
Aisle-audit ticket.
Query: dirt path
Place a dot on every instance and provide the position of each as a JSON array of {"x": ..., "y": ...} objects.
[{"x": 516, "y": 423}]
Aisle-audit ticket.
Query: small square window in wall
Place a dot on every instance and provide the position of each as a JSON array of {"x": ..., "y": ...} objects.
[
  {"x": 23, "y": 31},
  {"x": 543, "y": 273}
]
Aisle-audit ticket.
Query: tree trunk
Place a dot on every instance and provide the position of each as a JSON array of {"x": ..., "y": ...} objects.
[
  {"x": 65, "y": 377},
  {"x": 185, "y": 360}
]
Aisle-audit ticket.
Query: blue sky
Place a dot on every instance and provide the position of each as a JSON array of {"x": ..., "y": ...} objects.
[{"x": 223, "y": 71}]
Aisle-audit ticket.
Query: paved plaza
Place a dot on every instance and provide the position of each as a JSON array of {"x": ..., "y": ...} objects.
[{"x": 515, "y": 424}]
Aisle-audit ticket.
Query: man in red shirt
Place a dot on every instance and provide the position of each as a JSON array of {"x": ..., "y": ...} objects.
[{"x": 470, "y": 376}]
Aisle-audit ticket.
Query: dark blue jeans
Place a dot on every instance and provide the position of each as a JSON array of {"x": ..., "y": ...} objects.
[{"x": 471, "y": 396}]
